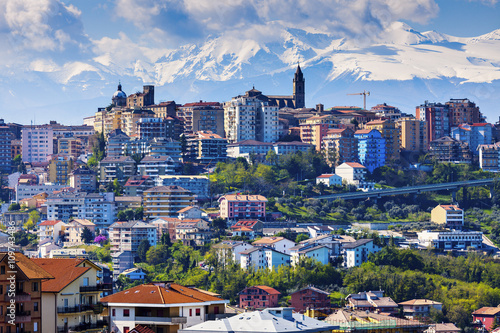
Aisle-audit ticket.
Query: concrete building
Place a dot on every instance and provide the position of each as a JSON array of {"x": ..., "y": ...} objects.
[
  {"x": 462, "y": 110},
  {"x": 280, "y": 244},
  {"x": 202, "y": 116},
  {"x": 165, "y": 146},
  {"x": 126, "y": 236},
  {"x": 413, "y": 134},
  {"x": 371, "y": 148},
  {"x": 51, "y": 230},
  {"x": 156, "y": 165},
  {"x": 60, "y": 167},
  {"x": 474, "y": 135},
  {"x": 448, "y": 240},
  {"x": 71, "y": 301},
  {"x": 263, "y": 257},
  {"x": 120, "y": 168},
  {"x": 115, "y": 144},
  {"x": 258, "y": 297},
  {"x": 6, "y": 151},
  {"x": 198, "y": 185},
  {"x": 436, "y": 116},
  {"x": 122, "y": 260},
  {"x": 372, "y": 301},
  {"x": 489, "y": 157},
  {"x": 206, "y": 147},
  {"x": 353, "y": 173},
  {"x": 356, "y": 253},
  {"x": 281, "y": 319},
  {"x": 319, "y": 253},
  {"x": 166, "y": 201},
  {"x": 392, "y": 135},
  {"x": 28, "y": 191},
  {"x": 329, "y": 180},
  {"x": 71, "y": 146},
  {"x": 168, "y": 307},
  {"x": 314, "y": 129},
  {"x": 447, "y": 149},
  {"x": 136, "y": 185},
  {"x": 233, "y": 206},
  {"x": 83, "y": 179},
  {"x": 75, "y": 228},
  {"x": 340, "y": 146},
  {"x": 37, "y": 145},
  {"x": 251, "y": 117},
  {"x": 451, "y": 216},
  {"x": 28, "y": 299},
  {"x": 231, "y": 250}
]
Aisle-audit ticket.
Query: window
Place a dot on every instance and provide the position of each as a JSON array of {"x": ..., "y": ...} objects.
[
  {"x": 198, "y": 312},
  {"x": 2, "y": 269},
  {"x": 190, "y": 312},
  {"x": 35, "y": 306},
  {"x": 35, "y": 326},
  {"x": 34, "y": 286},
  {"x": 113, "y": 313}
]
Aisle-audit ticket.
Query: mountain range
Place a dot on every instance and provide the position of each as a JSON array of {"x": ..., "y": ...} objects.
[{"x": 400, "y": 66}]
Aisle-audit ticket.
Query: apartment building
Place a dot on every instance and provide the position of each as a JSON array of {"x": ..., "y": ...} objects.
[
  {"x": 259, "y": 297},
  {"x": 75, "y": 228},
  {"x": 166, "y": 201},
  {"x": 28, "y": 294},
  {"x": 202, "y": 116},
  {"x": 489, "y": 157},
  {"x": 6, "y": 157},
  {"x": 60, "y": 167},
  {"x": 120, "y": 168},
  {"x": 371, "y": 148},
  {"x": 149, "y": 128},
  {"x": 251, "y": 117},
  {"x": 392, "y": 135},
  {"x": 310, "y": 297},
  {"x": 356, "y": 253},
  {"x": 474, "y": 135},
  {"x": 51, "y": 230},
  {"x": 313, "y": 129},
  {"x": 116, "y": 143},
  {"x": 206, "y": 147},
  {"x": 198, "y": 185},
  {"x": 83, "y": 179},
  {"x": 413, "y": 134},
  {"x": 167, "y": 306},
  {"x": 448, "y": 240},
  {"x": 165, "y": 146},
  {"x": 447, "y": 149},
  {"x": 71, "y": 299},
  {"x": 340, "y": 145},
  {"x": 156, "y": 165},
  {"x": 263, "y": 257},
  {"x": 234, "y": 206},
  {"x": 462, "y": 110},
  {"x": 70, "y": 146},
  {"x": 436, "y": 116},
  {"x": 126, "y": 236},
  {"x": 37, "y": 145},
  {"x": 450, "y": 216}
]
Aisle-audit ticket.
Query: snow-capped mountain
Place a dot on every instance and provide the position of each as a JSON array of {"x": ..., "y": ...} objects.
[{"x": 399, "y": 66}]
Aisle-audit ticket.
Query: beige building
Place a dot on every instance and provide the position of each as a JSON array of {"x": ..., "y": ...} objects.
[
  {"x": 449, "y": 215},
  {"x": 28, "y": 298},
  {"x": 70, "y": 300},
  {"x": 413, "y": 134},
  {"x": 166, "y": 201},
  {"x": 74, "y": 230},
  {"x": 72, "y": 146},
  {"x": 60, "y": 167},
  {"x": 202, "y": 116}
]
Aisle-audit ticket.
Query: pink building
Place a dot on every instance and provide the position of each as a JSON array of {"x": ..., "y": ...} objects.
[
  {"x": 37, "y": 145},
  {"x": 236, "y": 206}
]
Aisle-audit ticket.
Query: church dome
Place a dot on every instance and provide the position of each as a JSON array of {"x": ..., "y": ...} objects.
[{"x": 119, "y": 93}]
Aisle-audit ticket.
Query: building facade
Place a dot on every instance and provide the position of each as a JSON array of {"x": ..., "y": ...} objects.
[
  {"x": 371, "y": 148},
  {"x": 166, "y": 201}
]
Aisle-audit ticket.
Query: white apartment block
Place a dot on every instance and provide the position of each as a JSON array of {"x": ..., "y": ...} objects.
[{"x": 37, "y": 145}]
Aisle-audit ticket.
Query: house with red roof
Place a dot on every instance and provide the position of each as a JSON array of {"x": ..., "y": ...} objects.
[
  {"x": 51, "y": 230},
  {"x": 163, "y": 305},
  {"x": 249, "y": 228},
  {"x": 312, "y": 298},
  {"x": 487, "y": 316},
  {"x": 329, "y": 179},
  {"x": 71, "y": 299},
  {"x": 259, "y": 297},
  {"x": 450, "y": 215},
  {"x": 354, "y": 173},
  {"x": 191, "y": 212},
  {"x": 238, "y": 206},
  {"x": 474, "y": 135}
]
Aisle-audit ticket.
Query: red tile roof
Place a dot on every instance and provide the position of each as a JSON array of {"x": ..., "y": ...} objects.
[
  {"x": 141, "y": 329},
  {"x": 27, "y": 267},
  {"x": 269, "y": 290},
  {"x": 160, "y": 293},
  {"x": 64, "y": 271},
  {"x": 355, "y": 165},
  {"x": 240, "y": 197},
  {"x": 50, "y": 222},
  {"x": 326, "y": 175},
  {"x": 488, "y": 311}
]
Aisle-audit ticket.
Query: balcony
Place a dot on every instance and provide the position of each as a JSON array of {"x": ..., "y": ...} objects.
[
  {"x": 96, "y": 288},
  {"x": 21, "y": 317},
  {"x": 83, "y": 327},
  {"x": 75, "y": 309},
  {"x": 20, "y": 297},
  {"x": 160, "y": 320}
]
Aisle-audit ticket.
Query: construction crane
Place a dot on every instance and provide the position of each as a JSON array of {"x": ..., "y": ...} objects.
[{"x": 364, "y": 93}]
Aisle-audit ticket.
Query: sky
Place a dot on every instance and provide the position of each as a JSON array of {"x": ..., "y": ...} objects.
[{"x": 46, "y": 40}]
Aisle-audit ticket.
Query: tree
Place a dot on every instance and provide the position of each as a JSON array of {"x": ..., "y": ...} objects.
[
  {"x": 301, "y": 237},
  {"x": 272, "y": 157},
  {"x": 139, "y": 213},
  {"x": 33, "y": 219},
  {"x": 142, "y": 250},
  {"x": 21, "y": 238},
  {"x": 219, "y": 225},
  {"x": 28, "y": 225},
  {"x": 14, "y": 207},
  {"x": 87, "y": 236},
  {"x": 165, "y": 239},
  {"x": 157, "y": 255}
]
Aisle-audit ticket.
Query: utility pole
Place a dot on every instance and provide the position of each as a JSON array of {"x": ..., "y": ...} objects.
[{"x": 364, "y": 93}]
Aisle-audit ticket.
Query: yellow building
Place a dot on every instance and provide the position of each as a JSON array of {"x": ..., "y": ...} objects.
[
  {"x": 59, "y": 169},
  {"x": 391, "y": 134},
  {"x": 413, "y": 134},
  {"x": 369, "y": 322},
  {"x": 449, "y": 215},
  {"x": 28, "y": 296},
  {"x": 166, "y": 201},
  {"x": 70, "y": 301}
]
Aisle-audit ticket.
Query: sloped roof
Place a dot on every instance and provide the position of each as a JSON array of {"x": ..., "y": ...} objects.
[
  {"x": 244, "y": 197},
  {"x": 27, "y": 267},
  {"x": 488, "y": 311},
  {"x": 268, "y": 240},
  {"x": 64, "y": 271},
  {"x": 326, "y": 175},
  {"x": 269, "y": 290},
  {"x": 420, "y": 301},
  {"x": 49, "y": 222},
  {"x": 161, "y": 293}
]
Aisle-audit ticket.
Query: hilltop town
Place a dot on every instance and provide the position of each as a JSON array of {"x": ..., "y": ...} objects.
[{"x": 253, "y": 214}]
